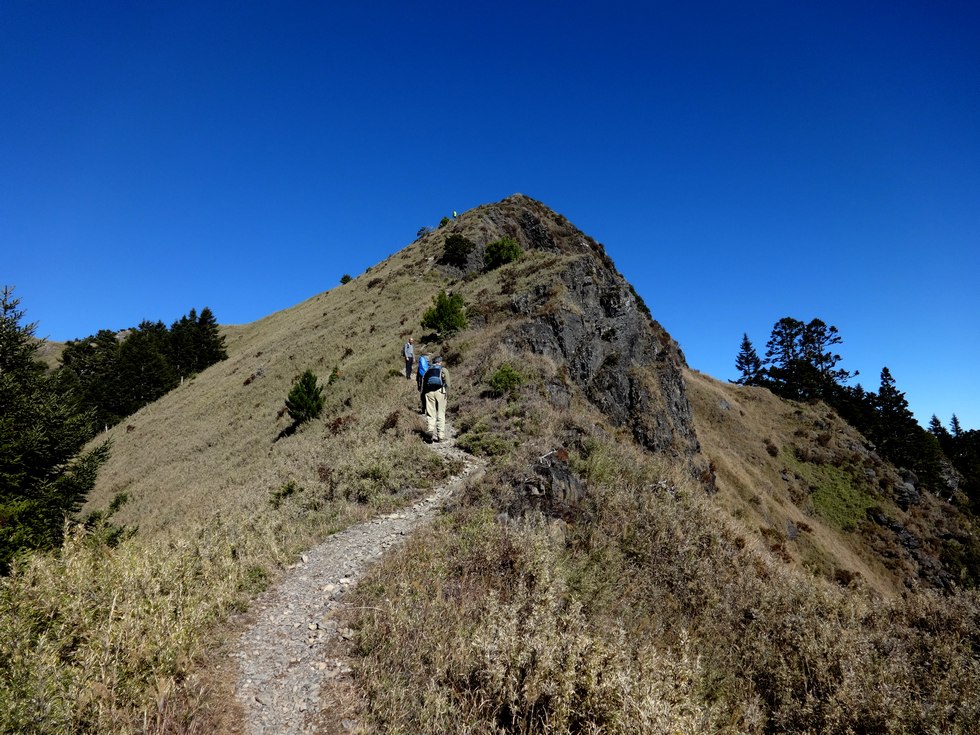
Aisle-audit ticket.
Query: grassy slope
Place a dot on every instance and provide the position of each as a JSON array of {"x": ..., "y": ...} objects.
[
  {"x": 209, "y": 448},
  {"x": 737, "y": 426},
  {"x": 117, "y": 640},
  {"x": 803, "y": 481}
]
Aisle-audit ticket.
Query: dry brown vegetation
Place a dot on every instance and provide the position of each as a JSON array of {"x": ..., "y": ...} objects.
[
  {"x": 648, "y": 606},
  {"x": 651, "y": 614}
]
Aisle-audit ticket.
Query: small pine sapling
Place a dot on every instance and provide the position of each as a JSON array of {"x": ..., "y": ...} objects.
[{"x": 305, "y": 400}]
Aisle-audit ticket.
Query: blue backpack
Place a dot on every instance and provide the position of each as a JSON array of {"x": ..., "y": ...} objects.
[
  {"x": 423, "y": 365},
  {"x": 433, "y": 376}
]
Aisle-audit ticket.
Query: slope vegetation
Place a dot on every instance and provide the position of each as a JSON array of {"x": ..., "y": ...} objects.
[{"x": 816, "y": 494}]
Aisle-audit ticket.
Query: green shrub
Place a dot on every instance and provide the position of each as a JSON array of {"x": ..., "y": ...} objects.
[
  {"x": 457, "y": 250},
  {"x": 504, "y": 380},
  {"x": 305, "y": 400},
  {"x": 500, "y": 252},
  {"x": 484, "y": 444},
  {"x": 446, "y": 315},
  {"x": 284, "y": 491},
  {"x": 346, "y": 278}
]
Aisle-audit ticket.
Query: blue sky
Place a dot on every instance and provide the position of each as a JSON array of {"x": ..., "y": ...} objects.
[{"x": 740, "y": 161}]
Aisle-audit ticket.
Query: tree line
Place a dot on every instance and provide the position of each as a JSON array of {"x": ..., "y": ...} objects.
[
  {"x": 116, "y": 374},
  {"x": 48, "y": 416},
  {"x": 801, "y": 363}
]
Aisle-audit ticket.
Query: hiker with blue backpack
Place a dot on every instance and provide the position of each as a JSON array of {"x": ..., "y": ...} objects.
[
  {"x": 423, "y": 366},
  {"x": 435, "y": 386}
]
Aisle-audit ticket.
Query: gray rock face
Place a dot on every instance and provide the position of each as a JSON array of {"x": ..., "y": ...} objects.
[
  {"x": 624, "y": 362},
  {"x": 552, "y": 489}
]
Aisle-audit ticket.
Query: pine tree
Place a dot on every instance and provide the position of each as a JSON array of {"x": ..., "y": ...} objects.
[
  {"x": 210, "y": 342},
  {"x": 44, "y": 475},
  {"x": 899, "y": 436},
  {"x": 93, "y": 364},
  {"x": 457, "y": 250},
  {"x": 305, "y": 400},
  {"x": 145, "y": 372},
  {"x": 817, "y": 343},
  {"x": 500, "y": 252},
  {"x": 183, "y": 348},
  {"x": 945, "y": 439},
  {"x": 783, "y": 356},
  {"x": 748, "y": 363},
  {"x": 954, "y": 427}
]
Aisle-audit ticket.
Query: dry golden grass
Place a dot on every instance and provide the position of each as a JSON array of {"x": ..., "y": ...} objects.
[
  {"x": 99, "y": 639},
  {"x": 654, "y": 615},
  {"x": 750, "y": 434}
]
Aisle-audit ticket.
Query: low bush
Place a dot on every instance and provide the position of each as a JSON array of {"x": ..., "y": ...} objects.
[
  {"x": 500, "y": 252},
  {"x": 447, "y": 314},
  {"x": 505, "y": 380},
  {"x": 457, "y": 250}
]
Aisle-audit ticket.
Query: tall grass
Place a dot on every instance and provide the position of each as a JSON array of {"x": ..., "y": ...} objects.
[
  {"x": 655, "y": 615},
  {"x": 105, "y": 640},
  {"x": 121, "y": 640}
]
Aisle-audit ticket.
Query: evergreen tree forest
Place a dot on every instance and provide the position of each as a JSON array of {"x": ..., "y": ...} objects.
[
  {"x": 115, "y": 375},
  {"x": 801, "y": 363},
  {"x": 44, "y": 472}
]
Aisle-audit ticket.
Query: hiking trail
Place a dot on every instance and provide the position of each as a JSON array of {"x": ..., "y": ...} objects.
[{"x": 293, "y": 644}]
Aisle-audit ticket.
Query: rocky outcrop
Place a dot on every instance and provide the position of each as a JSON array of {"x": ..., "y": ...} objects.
[
  {"x": 550, "y": 488},
  {"x": 592, "y": 321}
]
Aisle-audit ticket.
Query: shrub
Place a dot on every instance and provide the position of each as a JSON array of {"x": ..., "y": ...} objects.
[
  {"x": 457, "y": 250},
  {"x": 346, "y": 278},
  {"x": 446, "y": 315},
  {"x": 444, "y": 221},
  {"x": 423, "y": 231},
  {"x": 505, "y": 380},
  {"x": 500, "y": 252},
  {"x": 305, "y": 400},
  {"x": 284, "y": 491}
]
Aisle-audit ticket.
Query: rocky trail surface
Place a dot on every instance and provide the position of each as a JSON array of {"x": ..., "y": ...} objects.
[{"x": 294, "y": 645}]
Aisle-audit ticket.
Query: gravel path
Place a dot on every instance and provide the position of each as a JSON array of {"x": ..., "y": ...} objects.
[{"x": 285, "y": 656}]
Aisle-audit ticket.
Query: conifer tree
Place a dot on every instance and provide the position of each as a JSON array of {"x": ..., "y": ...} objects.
[
  {"x": 305, "y": 400},
  {"x": 945, "y": 439},
  {"x": 210, "y": 342},
  {"x": 44, "y": 475},
  {"x": 183, "y": 347},
  {"x": 783, "y": 353},
  {"x": 500, "y": 252},
  {"x": 447, "y": 314},
  {"x": 457, "y": 250},
  {"x": 748, "y": 363},
  {"x": 92, "y": 364},
  {"x": 145, "y": 372}
]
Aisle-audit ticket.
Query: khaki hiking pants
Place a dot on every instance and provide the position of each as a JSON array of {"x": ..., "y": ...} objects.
[{"x": 435, "y": 413}]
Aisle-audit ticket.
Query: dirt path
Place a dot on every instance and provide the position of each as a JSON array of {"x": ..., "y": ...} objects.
[{"x": 285, "y": 656}]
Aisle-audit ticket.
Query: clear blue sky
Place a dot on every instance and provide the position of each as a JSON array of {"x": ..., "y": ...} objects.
[{"x": 741, "y": 161}]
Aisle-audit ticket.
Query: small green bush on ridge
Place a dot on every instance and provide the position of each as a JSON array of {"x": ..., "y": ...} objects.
[{"x": 500, "y": 252}]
